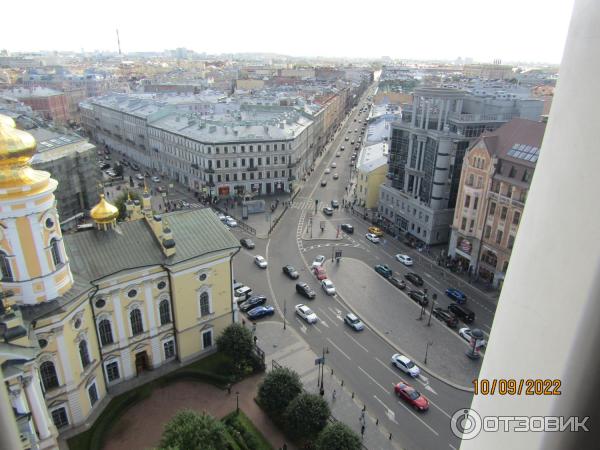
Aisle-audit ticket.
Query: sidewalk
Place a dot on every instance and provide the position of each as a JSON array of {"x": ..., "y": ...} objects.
[{"x": 287, "y": 349}]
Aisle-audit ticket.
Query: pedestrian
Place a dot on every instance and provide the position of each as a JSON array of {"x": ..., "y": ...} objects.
[
  {"x": 243, "y": 323},
  {"x": 333, "y": 395},
  {"x": 255, "y": 339}
]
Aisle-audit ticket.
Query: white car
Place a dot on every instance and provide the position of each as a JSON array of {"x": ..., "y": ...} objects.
[
  {"x": 335, "y": 176},
  {"x": 372, "y": 237},
  {"x": 337, "y": 155},
  {"x": 405, "y": 365},
  {"x": 260, "y": 262},
  {"x": 328, "y": 170},
  {"x": 318, "y": 261},
  {"x": 333, "y": 165},
  {"x": 222, "y": 217},
  {"x": 404, "y": 259},
  {"x": 328, "y": 286},
  {"x": 467, "y": 335},
  {"x": 139, "y": 176},
  {"x": 306, "y": 313},
  {"x": 230, "y": 222},
  {"x": 156, "y": 179}
]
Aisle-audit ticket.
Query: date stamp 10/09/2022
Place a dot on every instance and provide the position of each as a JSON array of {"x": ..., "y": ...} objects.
[{"x": 511, "y": 386}]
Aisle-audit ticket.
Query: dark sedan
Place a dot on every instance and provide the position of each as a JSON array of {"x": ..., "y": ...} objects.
[
  {"x": 305, "y": 290},
  {"x": 445, "y": 316},
  {"x": 291, "y": 272},
  {"x": 400, "y": 284},
  {"x": 347, "y": 228},
  {"x": 253, "y": 302},
  {"x": 260, "y": 312},
  {"x": 414, "y": 278},
  {"x": 247, "y": 243},
  {"x": 419, "y": 297},
  {"x": 383, "y": 270}
]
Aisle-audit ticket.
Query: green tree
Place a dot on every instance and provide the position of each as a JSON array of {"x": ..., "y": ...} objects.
[
  {"x": 338, "y": 436},
  {"x": 306, "y": 416},
  {"x": 278, "y": 389},
  {"x": 118, "y": 168},
  {"x": 188, "y": 430},
  {"x": 121, "y": 200},
  {"x": 236, "y": 342}
]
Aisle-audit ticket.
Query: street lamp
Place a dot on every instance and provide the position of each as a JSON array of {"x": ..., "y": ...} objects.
[
  {"x": 433, "y": 299},
  {"x": 284, "y": 312},
  {"x": 423, "y": 303},
  {"x": 429, "y": 344}
]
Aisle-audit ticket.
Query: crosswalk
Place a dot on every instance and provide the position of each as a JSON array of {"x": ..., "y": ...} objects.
[{"x": 304, "y": 205}]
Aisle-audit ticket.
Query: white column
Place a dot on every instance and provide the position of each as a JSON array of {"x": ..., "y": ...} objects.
[
  {"x": 9, "y": 433},
  {"x": 37, "y": 406},
  {"x": 16, "y": 397},
  {"x": 62, "y": 354},
  {"x": 153, "y": 324},
  {"x": 123, "y": 337}
]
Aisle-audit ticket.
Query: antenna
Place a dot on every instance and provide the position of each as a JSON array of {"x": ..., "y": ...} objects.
[{"x": 118, "y": 42}]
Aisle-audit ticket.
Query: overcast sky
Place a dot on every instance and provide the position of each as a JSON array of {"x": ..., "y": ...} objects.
[{"x": 511, "y": 30}]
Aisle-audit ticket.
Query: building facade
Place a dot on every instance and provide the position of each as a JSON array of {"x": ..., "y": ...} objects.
[
  {"x": 371, "y": 170},
  {"x": 49, "y": 103}
]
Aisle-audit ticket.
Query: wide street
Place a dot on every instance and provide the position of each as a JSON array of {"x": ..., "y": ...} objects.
[{"x": 362, "y": 359}]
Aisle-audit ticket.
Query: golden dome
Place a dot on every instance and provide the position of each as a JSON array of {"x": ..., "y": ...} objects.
[
  {"x": 104, "y": 212},
  {"x": 16, "y": 147}
]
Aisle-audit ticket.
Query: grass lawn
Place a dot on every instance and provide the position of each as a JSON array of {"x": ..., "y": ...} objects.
[{"x": 251, "y": 437}]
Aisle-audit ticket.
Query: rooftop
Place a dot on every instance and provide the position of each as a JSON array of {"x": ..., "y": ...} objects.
[{"x": 372, "y": 157}]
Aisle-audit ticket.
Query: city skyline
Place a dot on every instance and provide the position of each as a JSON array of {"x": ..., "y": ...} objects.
[{"x": 418, "y": 33}]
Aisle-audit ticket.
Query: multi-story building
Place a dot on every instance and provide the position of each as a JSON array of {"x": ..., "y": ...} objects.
[
  {"x": 488, "y": 71},
  {"x": 495, "y": 179},
  {"x": 371, "y": 170},
  {"x": 83, "y": 313},
  {"x": 426, "y": 153},
  {"x": 52, "y": 104}
]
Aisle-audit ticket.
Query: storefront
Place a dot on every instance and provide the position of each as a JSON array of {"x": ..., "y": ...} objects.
[
  {"x": 463, "y": 250},
  {"x": 223, "y": 191}
]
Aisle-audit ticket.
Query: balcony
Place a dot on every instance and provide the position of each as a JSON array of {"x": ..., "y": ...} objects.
[
  {"x": 209, "y": 170},
  {"x": 195, "y": 166},
  {"x": 479, "y": 118},
  {"x": 252, "y": 169},
  {"x": 291, "y": 178},
  {"x": 502, "y": 199}
]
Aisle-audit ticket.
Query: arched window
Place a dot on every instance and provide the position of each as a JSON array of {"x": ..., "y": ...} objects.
[
  {"x": 55, "y": 252},
  {"x": 83, "y": 354},
  {"x": 48, "y": 374},
  {"x": 471, "y": 180},
  {"x": 105, "y": 330},
  {"x": 204, "y": 304},
  {"x": 5, "y": 267},
  {"x": 165, "y": 312},
  {"x": 136, "y": 322}
]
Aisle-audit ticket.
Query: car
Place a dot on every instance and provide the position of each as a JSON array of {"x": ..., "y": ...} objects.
[
  {"x": 185, "y": 204},
  {"x": 333, "y": 165},
  {"x": 328, "y": 170},
  {"x": 135, "y": 167},
  {"x": 445, "y": 316},
  {"x": 467, "y": 335},
  {"x": 353, "y": 322},
  {"x": 462, "y": 312},
  {"x": 352, "y": 143},
  {"x": 291, "y": 272},
  {"x": 125, "y": 163},
  {"x": 328, "y": 211},
  {"x": 320, "y": 273},
  {"x": 419, "y": 296},
  {"x": 230, "y": 222},
  {"x": 306, "y": 313},
  {"x": 323, "y": 183},
  {"x": 353, "y": 157},
  {"x": 411, "y": 396},
  {"x": 335, "y": 176},
  {"x": 318, "y": 261},
  {"x": 111, "y": 173},
  {"x": 261, "y": 311},
  {"x": 104, "y": 166},
  {"x": 342, "y": 148},
  {"x": 260, "y": 262},
  {"x": 376, "y": 231},
  {"x": 399, "y": 283},
  {"x": 338, "y": 154},
  {"x": 139, "y": 176},
  {"x": 155, "y": 179},
  {"x": 253, "y": 302},
  {"x": 373, "y": 238},
  {"x": 347, "y": 136},
  {"x": 247, "y": 243},
  {"x": 456, "y": 295},
  {"x": 404, "y": 259},
  {"x": 335, "y": 204},
  {"x": 347, "y": 228},
  {"x": 405, "y": 365},
  {"x": 383, "y": 270},
  {"x": 414, "y": 278},
  {"x": 161, "y": 189},
  {"x": 237, "y": 285},
  {"x": 304, "y": 289},
  {"x": 328, "y": 286},
  {"x": 107, "y": 157}
]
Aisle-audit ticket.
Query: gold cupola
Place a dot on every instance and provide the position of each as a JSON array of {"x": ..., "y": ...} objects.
[{"x": 104, "y": 213}]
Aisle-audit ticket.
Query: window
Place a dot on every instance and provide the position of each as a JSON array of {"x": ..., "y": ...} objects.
[
  {"x": 112, "y": 371},
  {"x": 59, "y": 417},
  {"x": 48, "y": 374},
  {"x": 525, "y": 176},
  {"x": 106, "y": 337},
  {"x": 169, "y": 347},
  {"x": 55, "y": 252},
  {"x": 164, "y": 311},
  {"x": 207, "y": 339},
  {"x": 475, "y": 202},
  {"x": 499, "y": 236},
  {"x": 512, "y": 172},
  {"x": 204, "y": 304},
  {"x": 503, "y": 213},
  {"x": 135, "y": 318},
  {"x": 93, "y": 393},
  {"x": 511, "y": 241},
  {"x": 516, "y": 218},
  {"x": 467, "y": 201},
  {"x": 488, "y": 231},
  {"x": 464, "y": 223},
  {"x": 471, "y": 179},
  {"x": 84, "y": 354},
  {"x": 492, "y": 208},
  {"x": 471, "y": 225},
  {"x": 5, "y": 267}
]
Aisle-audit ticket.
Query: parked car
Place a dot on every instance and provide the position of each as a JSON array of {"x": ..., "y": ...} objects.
[
  {"x": 419, "y": 297},
  {"x": 323, "y": 183},
  {"x": 260, "y": 262},
  {"x": 318, "y": 261},
  {"x": 261, "y": 311},
  {"x": 161, "y": 189},
  {"x": 411, "y": 396},
  {"x": 328, "y": 286},
  {"x": 338, "y": 154},
  {"x": 291, "y": 272},
  {"x": 335, "y": 204},
  {"x": 347, "y": 228},
  {"x": 404, "y": 259},
  {"x": 253, "y": 302},
  {"x": 462, "y": 312},
  {"x": 155, "y": 179},
  {"x": 467, "y": 335},
  {"x": 320, "y": 273},
  {"x": 383, "y": 270},
  {"x": 445, "y": 316},
  {"x": 335, "y": 176},
  {"x": 247, "y": 243},
  {"x": 135, "y": 167},
  {"x": 353, "y": 322},
  {"x": 399, "y": 283},
  {"x": 414, "y": 278},
  {"x": 327, "y": 171},
  {"x": 333, "y": 165},
  {"x": 373, "y": 238},
  {"x": 243, "y": 292},
  {"x": 376, "y": 231},
  {"x": 405, "y": 365},
  {"x": 139, "y": 176},
  {"x": 305, "y": 290},
  {"x": 328, "y": 211},
  {"x": 456, "y": 295},
  {"x": 230, "y": 222},
  {"x": 306, "y": 313},
  {"x": 342, "y": 148}
]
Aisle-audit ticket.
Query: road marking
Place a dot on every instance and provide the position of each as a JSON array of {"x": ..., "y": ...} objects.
[
  {"x": 327, "y": 315},
  {"x": 324, "y": 323},
  {"x": 386, "y": 366},
  {"x": 430, "y": 389},
  {"x": 372, "y": 379},
  {"x": 418, "y": 418},
  {"x": 443, "y": 412},
  {"x": 337, "y": 313},
  {"x": 357, "y": 343},
  {"x": 391, "y": 414},
  {"x": 337, "y": 348}
]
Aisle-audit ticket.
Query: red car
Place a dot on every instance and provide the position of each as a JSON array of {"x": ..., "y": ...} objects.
[
  {"x": 411, "y": 396},
  {"x": 320, "y": 273}
]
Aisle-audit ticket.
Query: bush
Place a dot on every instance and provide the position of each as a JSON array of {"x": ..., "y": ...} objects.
[
  {"x": 277, "y": 390},
  {"x": 306, "y": 416},
  {"x": 337, "y": 436},
  {"x": 190, "y": 430},
  {"x": 236, "y": 342}
]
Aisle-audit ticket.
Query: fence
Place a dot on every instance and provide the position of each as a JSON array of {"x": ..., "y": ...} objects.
[{"x": 243, "y": 225}]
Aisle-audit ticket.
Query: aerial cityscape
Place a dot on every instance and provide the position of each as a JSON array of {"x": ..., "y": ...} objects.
[{"x": 210, "y": 248}]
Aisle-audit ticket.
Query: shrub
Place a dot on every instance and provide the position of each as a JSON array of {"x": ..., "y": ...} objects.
[
  {"x": 190, "y": 430},
  {"x": 278, "y": 389},
  {"x": 306, "y": 416},
  {"x": 338, "y": 436}
]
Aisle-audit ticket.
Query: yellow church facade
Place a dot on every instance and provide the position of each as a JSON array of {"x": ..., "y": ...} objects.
[{"x": 83, "y": 313}]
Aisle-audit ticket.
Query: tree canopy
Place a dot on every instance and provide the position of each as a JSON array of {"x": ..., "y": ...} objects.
[
  {"x": 338, "y": 436},
  {"x": 278, "y": 389},
  {"x": 306, "y": 416},
  {"x": 188, "y": 430}
]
